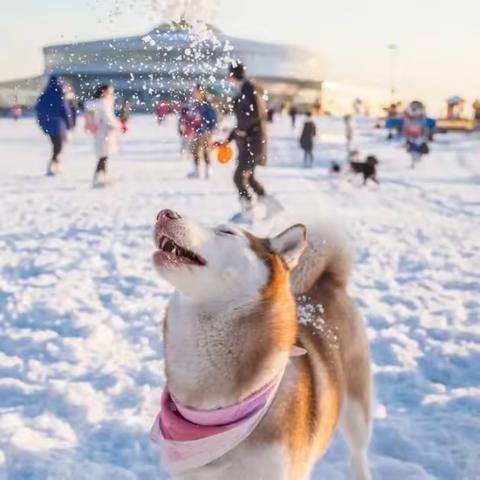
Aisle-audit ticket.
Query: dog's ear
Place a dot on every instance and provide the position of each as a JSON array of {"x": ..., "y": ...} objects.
[{"x": 290, "y": 244}]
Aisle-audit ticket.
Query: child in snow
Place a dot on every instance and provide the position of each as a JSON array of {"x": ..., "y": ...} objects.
[
  {"x": 306, "y": 140},
  {"x": 101, "y": 121},
  {"x": 416, "y": 131}
]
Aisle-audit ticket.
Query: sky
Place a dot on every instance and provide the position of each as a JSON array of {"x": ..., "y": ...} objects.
[{"x": 438, "y": 42}]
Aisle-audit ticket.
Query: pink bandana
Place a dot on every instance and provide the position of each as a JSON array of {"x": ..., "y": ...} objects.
[{"x": 189, "y": 438}]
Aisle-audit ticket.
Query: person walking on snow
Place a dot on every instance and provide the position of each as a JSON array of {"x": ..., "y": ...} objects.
[
  {"x": 185, "y": 129},
  {"x": 293, "y": 112},
  {"x": 307, "y": 139},
  {"x": 250, "y": 135},
  {"x": 476, "y": 111},
  {"x": 348, "y": 132},
  {"x": 125, "y": 113},
  {"x": 162, "y": 110},
  {"x": 204, "y": 123},
  {"x": 16, "y": 112},
  {"x": 101, "y": 121},
  {"x": 55, "y": 118}
]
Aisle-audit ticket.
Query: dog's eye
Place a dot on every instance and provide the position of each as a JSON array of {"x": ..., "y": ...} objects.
[{"x": 226, "y": 231}]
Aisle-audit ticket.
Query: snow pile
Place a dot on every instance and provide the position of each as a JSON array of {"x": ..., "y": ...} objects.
[{"x": 81, "y": 307}]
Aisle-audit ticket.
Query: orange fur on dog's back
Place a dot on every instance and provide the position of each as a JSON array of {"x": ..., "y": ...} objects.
[
  {"x": 277, "y": 306},
  {"x": 308, "y": 406}
]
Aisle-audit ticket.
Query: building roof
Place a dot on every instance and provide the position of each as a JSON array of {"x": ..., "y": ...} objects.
[
  {"x": 261, "y": 58},
  {"x": 173, "y": 33}
]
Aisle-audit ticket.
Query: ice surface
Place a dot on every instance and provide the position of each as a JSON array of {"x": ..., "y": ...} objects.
[{"x": 80, "y": 307}]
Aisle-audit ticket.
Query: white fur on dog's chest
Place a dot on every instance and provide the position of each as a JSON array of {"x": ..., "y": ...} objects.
[
  {"x": 195, "y": 346},
  {"x": 204, "y": 350},
  {"x": 270, "y": 462}
]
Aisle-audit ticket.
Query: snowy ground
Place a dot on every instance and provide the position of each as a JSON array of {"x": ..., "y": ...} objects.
[{"x": 80, "y": 306}]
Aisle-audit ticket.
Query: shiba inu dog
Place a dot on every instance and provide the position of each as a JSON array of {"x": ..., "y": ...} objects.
[{"x": 265, "y": 353}]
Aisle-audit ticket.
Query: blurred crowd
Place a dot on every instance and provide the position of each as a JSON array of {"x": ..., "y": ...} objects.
[{"x": 198, "y": 121}]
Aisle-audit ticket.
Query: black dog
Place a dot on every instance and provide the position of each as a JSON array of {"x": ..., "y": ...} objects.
[{"x": 368, "y": 168}]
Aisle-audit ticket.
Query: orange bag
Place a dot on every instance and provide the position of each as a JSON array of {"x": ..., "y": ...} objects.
[{"x": 225, "y": 153}]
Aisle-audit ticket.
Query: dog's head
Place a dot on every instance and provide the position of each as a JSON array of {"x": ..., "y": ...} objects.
[
  {"x": 372, "y": 160},
  {"x": 335, "y": 167},
  {"x": 223, "y": 261}
]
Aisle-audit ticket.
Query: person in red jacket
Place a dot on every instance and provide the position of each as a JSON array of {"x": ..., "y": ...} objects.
[{"x": 205, "y": 122}]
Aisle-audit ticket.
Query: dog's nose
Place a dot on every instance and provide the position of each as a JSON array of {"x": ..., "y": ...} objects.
[{"x": 168, "y": 214}]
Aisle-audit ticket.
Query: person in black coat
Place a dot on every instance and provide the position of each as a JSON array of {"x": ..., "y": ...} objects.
[
  {"x": 250, "y": 111},
  {"x": 307, "y": 139},
  {"x": 293, "y": 112}
]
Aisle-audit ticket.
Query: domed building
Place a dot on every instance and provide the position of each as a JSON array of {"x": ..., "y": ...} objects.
[{"x": 165, "y": 64}]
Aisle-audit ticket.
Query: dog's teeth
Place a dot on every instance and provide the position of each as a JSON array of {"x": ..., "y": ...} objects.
[{"x": 163, "y": 242}]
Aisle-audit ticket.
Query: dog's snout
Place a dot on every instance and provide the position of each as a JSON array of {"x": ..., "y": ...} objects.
[{"x": 168, "y": 214}]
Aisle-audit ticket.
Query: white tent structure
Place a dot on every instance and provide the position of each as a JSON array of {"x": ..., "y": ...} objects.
[{"x": 166, "y": 62}]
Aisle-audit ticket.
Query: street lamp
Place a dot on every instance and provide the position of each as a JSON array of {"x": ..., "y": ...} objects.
[{"x": 393, "y": 60}]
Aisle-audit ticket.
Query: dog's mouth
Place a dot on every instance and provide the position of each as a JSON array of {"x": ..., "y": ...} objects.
[{"x": 171, "y": 251}]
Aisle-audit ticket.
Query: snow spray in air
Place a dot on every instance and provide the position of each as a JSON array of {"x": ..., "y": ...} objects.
[{"x": 181, "y": 50}]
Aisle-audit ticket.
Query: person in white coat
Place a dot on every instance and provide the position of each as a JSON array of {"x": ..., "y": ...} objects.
[{"x": 101, "y": 121}]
